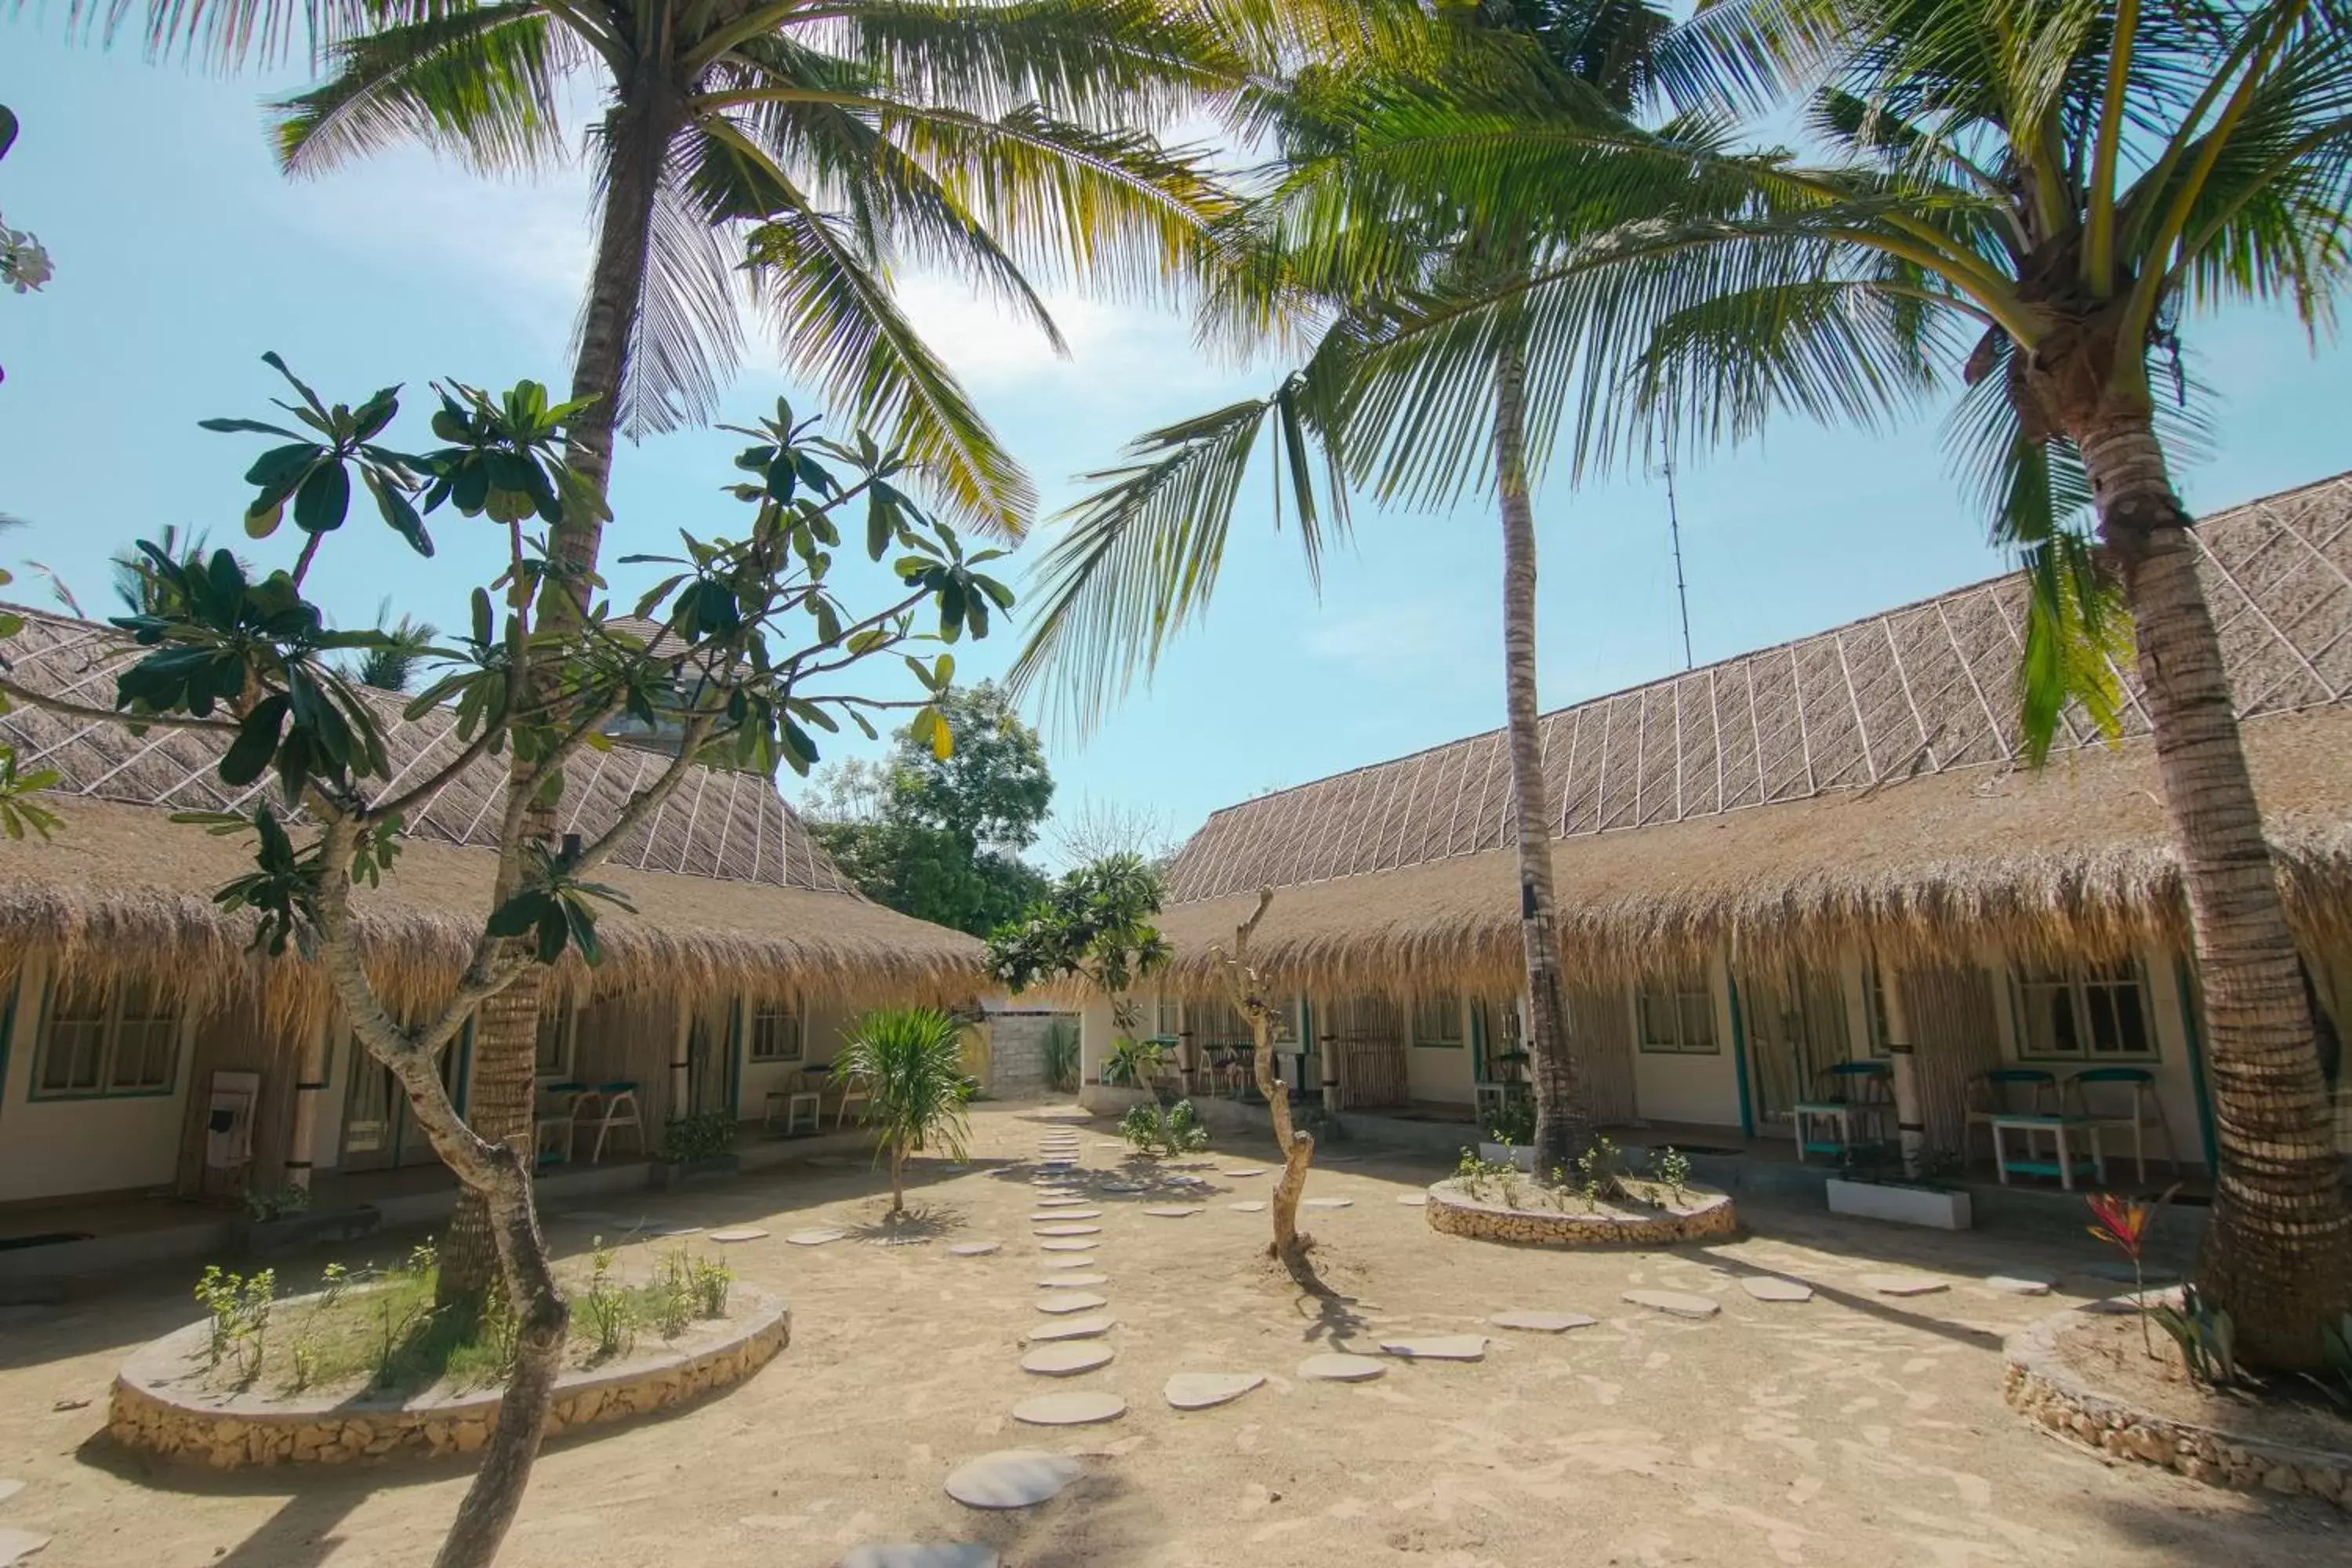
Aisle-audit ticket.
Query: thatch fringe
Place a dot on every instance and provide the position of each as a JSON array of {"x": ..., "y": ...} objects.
[
  {"x": 122, "y": 890},
  {"x": 2075, "y": 864}
]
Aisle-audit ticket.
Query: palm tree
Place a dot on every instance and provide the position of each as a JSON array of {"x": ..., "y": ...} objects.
[
  {"x": 828, "y": 141},
  {"x": 2024, "y": 199},
  {"x": 908, "y": 1063},
  {"x": 1143, "y": 551},
  {"x": 390, "y": 665}
]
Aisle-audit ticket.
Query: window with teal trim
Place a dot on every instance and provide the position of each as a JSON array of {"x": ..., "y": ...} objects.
[
  {"x": 1437, "y": 1020},
  {"x": 775, "y": 1033},
  {"x": 2083, "y": 1013},
  {"x": 115, "y": 1036},
  {"x": 1675, "y": 1015}
]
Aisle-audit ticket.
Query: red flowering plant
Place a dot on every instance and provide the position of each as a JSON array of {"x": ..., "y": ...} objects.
[{"x": 2123, "y": 1223}]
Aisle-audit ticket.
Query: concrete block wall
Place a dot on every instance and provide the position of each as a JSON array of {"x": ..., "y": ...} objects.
[{"x": 1016, "y": 1054}]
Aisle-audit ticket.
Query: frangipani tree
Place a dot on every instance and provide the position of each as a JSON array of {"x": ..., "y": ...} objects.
[
  {"x": 791, "y": 157},
  {"x": 757, "y": 653}
]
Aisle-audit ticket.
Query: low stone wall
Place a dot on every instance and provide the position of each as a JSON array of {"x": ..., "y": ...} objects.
[
  {"x": 157, "y": 1407},
  {"x": 2041, "y": 1388},
  {"x": 1457, "y": 1213}
]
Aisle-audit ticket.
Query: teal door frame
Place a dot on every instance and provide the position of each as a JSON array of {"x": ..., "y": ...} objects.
[{"x": 1739, "y": 1058}]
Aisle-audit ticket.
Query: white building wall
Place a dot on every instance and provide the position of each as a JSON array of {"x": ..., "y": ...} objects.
[
  {"x": 55, "y": 1148},
  {"x": 1702, "y": 1089},
  {"x": 1441, "y": 1074}
]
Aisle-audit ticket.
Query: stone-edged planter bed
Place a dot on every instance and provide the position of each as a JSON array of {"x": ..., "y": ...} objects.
[
  {"x": 1703, "y": 1215},
  {"x": 163, "y": 1405},
  {"x": 2043, "y": 1384}
]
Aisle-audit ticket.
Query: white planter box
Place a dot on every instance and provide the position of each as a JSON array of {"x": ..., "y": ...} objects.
[
  {"x": 1903, "y": 1206},
  {"x": 1524, "y": 1158}
]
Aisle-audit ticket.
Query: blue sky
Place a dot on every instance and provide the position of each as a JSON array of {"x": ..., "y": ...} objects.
[{"x": 182, "y": 255}]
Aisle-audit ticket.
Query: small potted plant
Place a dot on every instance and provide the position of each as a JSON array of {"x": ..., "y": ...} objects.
[
  {"x": 695, "y": 1148},
  {"x": 1873, "y": 1184},
  {"x": 1510, "y": 1133}
]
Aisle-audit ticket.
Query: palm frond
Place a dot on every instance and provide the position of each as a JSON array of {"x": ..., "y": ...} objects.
[
  {"x": 478, "y": 82},
  {"x": 1112, "y": 211},
  {"x": 1107, "y": 62},
  {"x": 838, "y": 325},
  {"x": 687, "y": 338},
  {"x": 231, "y": 34},
  {"x": 1139, "y": 557}
]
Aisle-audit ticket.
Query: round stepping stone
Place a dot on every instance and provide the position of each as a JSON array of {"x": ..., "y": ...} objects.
[
  {"x": 1072, "y": 1329},
  {"x": 1071, "y": 1281},
  {"x": 1679, "y": 1303},
  {"x": 1439, "y": 1347},
  {"x": 1413, "y": 1200},
  {"x": 1061, "y": 1200},
  {"x": 816, "y": 1237},
  {"x": 1067, "y": 1263},
  {"x": 745, "y": 1232},
  {"x": 1079, "y": 1407},
  {"x": 1205, "y": 1390},
  {"x": 2019, "y": 1284},
  {"x": 1331, "y": 1203},
  {"x": 1242, "y": 1173},
  {"x": 1183, "y": 1180},
  {"x": 1016, "y": 1477},
  {"x": 973, "y": 1249},
  {"x": 1542, "y": 1322},
  {"x": 1067, "y": 1246},
  {"x": 924, "y": 1554},
  {"x": 1904, "y": 1284},
  {"x": 16, "y": 1545},
  {"x": 1045, "y": 1215},
  {"x": 1336, "y": 1368},
  {"x": 1070, "y": 1301},
  {"x": 1069, "y": 1230},
  {"x": 1772, "y": 1288},
  {"x": 1120, "y": 1187},
  {"x": 1248, "y": 1206},
  {"x": 1066, "y": 1360},
  {"x": 1168, "y": 1212}
]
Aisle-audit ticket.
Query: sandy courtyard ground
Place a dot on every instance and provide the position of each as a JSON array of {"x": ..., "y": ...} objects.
[{"x": 1851, "y": 1429}]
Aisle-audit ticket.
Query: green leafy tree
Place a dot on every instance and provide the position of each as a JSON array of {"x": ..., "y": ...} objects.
[
  {"x": 393, "y": 664},
  {"x": 250, "y": 663},
  {"x": 909, "y": 1062},
  {"x": 1095, "y": 927},
  {"x": 936, "y": 830}
]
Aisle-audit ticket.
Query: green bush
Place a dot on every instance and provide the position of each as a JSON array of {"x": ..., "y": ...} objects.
[
  {"x": 1163, "y": 1128},
  {"x": 1061, "y": 1055},
  {"x": 706, "y": 1135}
]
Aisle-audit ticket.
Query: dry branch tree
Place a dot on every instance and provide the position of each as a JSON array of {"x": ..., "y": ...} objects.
[
  {"x": 741, "y": 671},
  {"x": 1243, "y": 988}
]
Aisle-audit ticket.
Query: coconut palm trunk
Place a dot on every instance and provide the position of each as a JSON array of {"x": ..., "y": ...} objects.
[
  {"x": 501, "y": 1094},
  {"x": 1563, "y": 1125},
  {"x": 2278, "y": 1250}
]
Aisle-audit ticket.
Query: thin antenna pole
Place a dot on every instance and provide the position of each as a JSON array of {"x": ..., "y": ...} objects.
[{"x": 1675, "y": 532}]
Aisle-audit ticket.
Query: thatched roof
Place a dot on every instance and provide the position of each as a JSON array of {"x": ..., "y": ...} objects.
[
  {"x": 1764, "y": 800},
  {"x": 731, "y": 891},
  {"x": 719, "y": 823}
]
